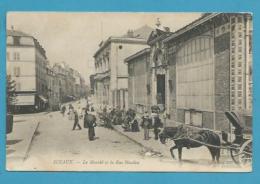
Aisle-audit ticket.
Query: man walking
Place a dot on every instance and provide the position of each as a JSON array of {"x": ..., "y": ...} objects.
[
  {"x": 76, "y": 121},
  {"x": 90, "y": 123}
]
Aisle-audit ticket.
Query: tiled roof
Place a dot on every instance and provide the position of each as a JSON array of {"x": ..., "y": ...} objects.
[{"x": 142, "y": 32}]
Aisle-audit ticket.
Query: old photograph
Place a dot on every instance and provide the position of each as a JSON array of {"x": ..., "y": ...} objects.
[{"x": 115, "y": 91}]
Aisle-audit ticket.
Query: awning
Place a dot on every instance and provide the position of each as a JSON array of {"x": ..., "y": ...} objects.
[
  {"x": 24, "y": 99},
  {"x": 43, "y": 98}
]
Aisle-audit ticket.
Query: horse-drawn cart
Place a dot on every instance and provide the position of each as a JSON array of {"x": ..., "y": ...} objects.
[
  {"x": 241, "y": 147},
  {"x": 239, "y": 144}
]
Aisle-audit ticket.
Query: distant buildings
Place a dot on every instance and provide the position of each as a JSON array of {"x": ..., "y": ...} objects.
[
  {"x": 197, "y": 72},
  {"x": 111, "y": 75},
  {"x": 38, "y": 85}
]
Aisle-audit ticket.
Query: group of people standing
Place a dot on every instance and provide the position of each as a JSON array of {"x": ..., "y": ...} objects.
[
  {"x": 89, "y": 119},
  {"x": 151, "y": 122}
]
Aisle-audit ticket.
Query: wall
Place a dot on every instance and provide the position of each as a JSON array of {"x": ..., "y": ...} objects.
[
  {"x": 26, "y": 63},
  {"x": 222, "y": 81}
]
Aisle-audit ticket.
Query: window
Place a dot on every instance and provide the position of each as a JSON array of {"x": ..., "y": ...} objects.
[
  {"x": 232, "y": 101},
  {"x": 239, "y": 93},
  {"x": 17, "y": 71},
  {"x": 239, "y": 86},
  {"x": 240, "y": 42},
  {"x": 240, "y": 35},
  {"x": 196, "y": 119},
  {"x": 16, "y": 56},
  {"x": 187, "y": 117},
  {"x": 233, "y": 94},
  {"x": 233, "y": 20},
  {"x": 239, "y": 49},
  {"x": 239, "y": 79},
  {"x": 239, "y": 64},
  {"x": 239, "y": 72},
  {"x": 233, "y": 79},
  {"x": 239, "y": 56}
]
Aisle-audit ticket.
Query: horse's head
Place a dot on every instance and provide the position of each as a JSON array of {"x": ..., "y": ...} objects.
[
  {"x": 162, "y": 138},
  {"x": 168, "y": 132}
]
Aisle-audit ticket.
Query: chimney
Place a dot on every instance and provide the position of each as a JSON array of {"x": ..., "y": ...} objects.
[{"x": 130, "y": 33}]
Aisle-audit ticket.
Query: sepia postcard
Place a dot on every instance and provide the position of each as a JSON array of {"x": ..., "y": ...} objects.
[{"x": 153, "y": 92}]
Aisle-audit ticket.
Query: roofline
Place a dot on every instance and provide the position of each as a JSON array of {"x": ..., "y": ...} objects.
[
  {"x": 161, "y": 37},
  {"x": 137, "y": 54},
  {"x": 119, "y": 39},
  {"x": 191, "y": 26}
]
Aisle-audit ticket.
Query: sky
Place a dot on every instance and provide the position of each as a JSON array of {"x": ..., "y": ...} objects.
[{"x": 73, "y": 38}]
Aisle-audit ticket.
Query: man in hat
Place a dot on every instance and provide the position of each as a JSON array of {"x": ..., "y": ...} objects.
[
  {"x": 146, "y": 124},
  {"x": 76, "y": 121},
  {"x": 90, "y": 123}
]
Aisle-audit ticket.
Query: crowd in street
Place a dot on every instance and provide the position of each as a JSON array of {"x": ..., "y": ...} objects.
[
  {"x": 129, "y": 120},
  {"x": 86, "y": 113}
]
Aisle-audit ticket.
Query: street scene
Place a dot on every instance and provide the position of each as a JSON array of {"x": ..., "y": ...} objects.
[{"x": 163, "y": 92}]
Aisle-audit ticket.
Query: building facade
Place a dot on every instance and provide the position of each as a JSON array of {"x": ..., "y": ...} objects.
[
  {"x": 53, "y": 89},
  {"x": 111, "y": 73},
  {"x": 26, "y": 64},
  {"x": 200, "y": 71},
  {"x": 139, "y": 92}
]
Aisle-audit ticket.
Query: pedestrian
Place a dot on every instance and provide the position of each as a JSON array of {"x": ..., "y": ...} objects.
[
  {"x": 71, "y": 112},
  {"x": 63, "y": 110},
  {"x": 76, "y": 121},
  {"x": 156, "y": 122},
  {"x": 146, "y": 124},
  {"x": 134, "y": 124},
  {"x": 90, "y": 123}
]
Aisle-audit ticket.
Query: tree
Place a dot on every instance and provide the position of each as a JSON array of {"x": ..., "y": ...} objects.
[{"x": 10, "y": 94}]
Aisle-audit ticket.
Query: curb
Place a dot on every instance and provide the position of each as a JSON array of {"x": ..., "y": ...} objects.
[
  {"x": 31, "y": 141},
  {"x": 133, "y": 140}
]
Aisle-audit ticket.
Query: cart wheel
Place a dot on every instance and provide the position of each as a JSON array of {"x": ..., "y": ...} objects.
[
  {"x": 245, "y": 154},
  {"x": 234, "y": 152}
]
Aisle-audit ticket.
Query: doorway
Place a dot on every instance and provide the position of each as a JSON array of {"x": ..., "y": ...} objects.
[{"x": 161, "y": 90}]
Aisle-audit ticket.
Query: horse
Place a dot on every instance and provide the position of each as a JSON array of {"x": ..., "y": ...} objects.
[{"x": 201, "y": 138}]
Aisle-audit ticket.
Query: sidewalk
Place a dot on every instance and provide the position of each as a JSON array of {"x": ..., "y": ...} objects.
[
  {"x": 151, "y": 146},
  {"x": 155, "y": 147},
  {"x": 18, "y": 142}
]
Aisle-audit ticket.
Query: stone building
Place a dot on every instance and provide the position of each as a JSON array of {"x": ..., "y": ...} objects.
[
  {"x": 26, "y": 63},
  {"x": 61, "y": 75},
  {"x": 199, "y": 71},
  {"x": 111, "y": 75},
  {"x": 53, "y": 89}
]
